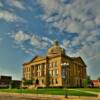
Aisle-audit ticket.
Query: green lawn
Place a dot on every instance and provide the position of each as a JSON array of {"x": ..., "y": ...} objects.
[
  {"x": 91, "y": 89},
  {"x": 50, "y": 91}
]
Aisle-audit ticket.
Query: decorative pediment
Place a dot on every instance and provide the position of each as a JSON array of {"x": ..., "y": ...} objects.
[
  {"x": 79, "y": 60},
  {"x": 36, "y": 58}
]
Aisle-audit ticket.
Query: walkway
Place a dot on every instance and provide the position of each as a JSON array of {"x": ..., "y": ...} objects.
[{"x": 91, "y": 98}]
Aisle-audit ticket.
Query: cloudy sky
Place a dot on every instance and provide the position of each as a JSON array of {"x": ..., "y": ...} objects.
[{"x": 28, "y": 28}]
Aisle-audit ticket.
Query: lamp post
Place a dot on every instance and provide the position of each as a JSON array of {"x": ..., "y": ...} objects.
[{"x": 64, "y": 74}]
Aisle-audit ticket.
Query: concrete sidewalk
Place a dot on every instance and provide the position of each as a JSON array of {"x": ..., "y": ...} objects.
[
  {"x": 98, "y": 94},
  {"x": 31, "y": 96},
  {"x": 46, "y": 97}
]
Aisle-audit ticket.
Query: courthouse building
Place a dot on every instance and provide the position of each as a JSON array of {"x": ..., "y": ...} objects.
[{"x": 56, "y": 69}]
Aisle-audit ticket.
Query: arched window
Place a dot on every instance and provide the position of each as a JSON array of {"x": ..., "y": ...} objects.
[{"x": 37, "y": 82}]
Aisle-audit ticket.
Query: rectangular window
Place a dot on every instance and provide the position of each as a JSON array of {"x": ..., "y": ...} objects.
[
  {"x": 52, "y": 81},
  {"x": 44, "y": 65},
  {"x": 44, "y": 73},
  {"x": 33, "y": 73},
  {"x": 48, "y": 64},
  {"x": 42, "y": 81},
  {"x": 33, "y": 67},
  {"x": 56, "y": 81},
  {"x": 49, "y": 72},
  {"x": 56, "y": 65},
  {"x": 38, "y": 67},
  {"x": 53, "y": 73},
  {"x": 40, "y": 74},
  {"x": 52, "y": 64},
  {"x": 29, "y": 69},
  {"x": 56, "y": 72}
]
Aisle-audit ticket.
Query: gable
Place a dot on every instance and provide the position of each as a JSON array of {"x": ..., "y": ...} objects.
[
  {"x": 36, "y": 58},
  {"x": 79, "y": 60}
]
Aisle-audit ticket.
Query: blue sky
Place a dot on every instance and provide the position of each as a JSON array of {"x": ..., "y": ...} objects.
[{"x": 29, "y": 27}]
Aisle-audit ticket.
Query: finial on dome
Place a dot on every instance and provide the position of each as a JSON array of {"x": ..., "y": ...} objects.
[{"x": 56, "y": 43}]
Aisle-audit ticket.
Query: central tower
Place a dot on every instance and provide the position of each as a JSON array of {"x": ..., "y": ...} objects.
[{"x": 55, "y": 49}]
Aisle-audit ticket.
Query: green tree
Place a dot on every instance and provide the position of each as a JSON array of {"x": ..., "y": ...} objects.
[
  {"x": 87, "y": 81},
  {"x": 99, "y": 79},
  {"x": 28, "y": 82}
]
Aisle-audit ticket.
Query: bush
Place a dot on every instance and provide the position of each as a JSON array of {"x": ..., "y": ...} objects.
[{"x": 28, "y": 82}]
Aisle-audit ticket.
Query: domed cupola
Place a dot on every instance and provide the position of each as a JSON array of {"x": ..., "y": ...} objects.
[{"x": 56, "y": 49}]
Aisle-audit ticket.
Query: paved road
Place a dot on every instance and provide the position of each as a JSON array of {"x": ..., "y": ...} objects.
[
  {"x": 14, "y": 98},
  {"x": 2, "y": 97},
  {"x": 27, "y": 98}
]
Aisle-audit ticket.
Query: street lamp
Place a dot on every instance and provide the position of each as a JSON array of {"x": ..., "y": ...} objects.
[{"x": 64, "y": 74}]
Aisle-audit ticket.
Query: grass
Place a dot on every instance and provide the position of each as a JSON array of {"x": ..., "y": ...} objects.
[
  {"x": 91, "y": 89},
  {"x": 49, "y": 91}
]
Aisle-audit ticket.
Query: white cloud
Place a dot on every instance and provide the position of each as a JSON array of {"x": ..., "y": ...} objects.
[
  {"x": 36, "y": 43},
  {"x": 66, "y": 43},
  {"x": 34, "y": 40},
  {"x": 16, "y": 3},
  {"x": 75, "y": 27},
  {"x": 26, "y": 50},
  {"x": 97, "y": 19},
  {"x": 89, "y": 25},
  {"x": 47, "y": 40},
  {"x": 1, "y": 4},
  {"x": 62, "y": 24},
  {"x": 50, "y": 6},
  {"x": 84, "y": 15},
  {"x": 86, "y": 37},
  {"x": 39, "y": 42},
  {"x": 90, "y": 51},
  {"x": 1, "y": 40},
  {"x": 78, "y": 16},
  {"x": 8, "y": 16},
  {"x": 20, "y": 36}
]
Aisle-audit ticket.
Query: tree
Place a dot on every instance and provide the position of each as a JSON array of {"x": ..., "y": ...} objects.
[
  {"x": 28, "y": 82},
  {"x": 99, "y": 79},
  {"x": 87, "y": 81}
]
